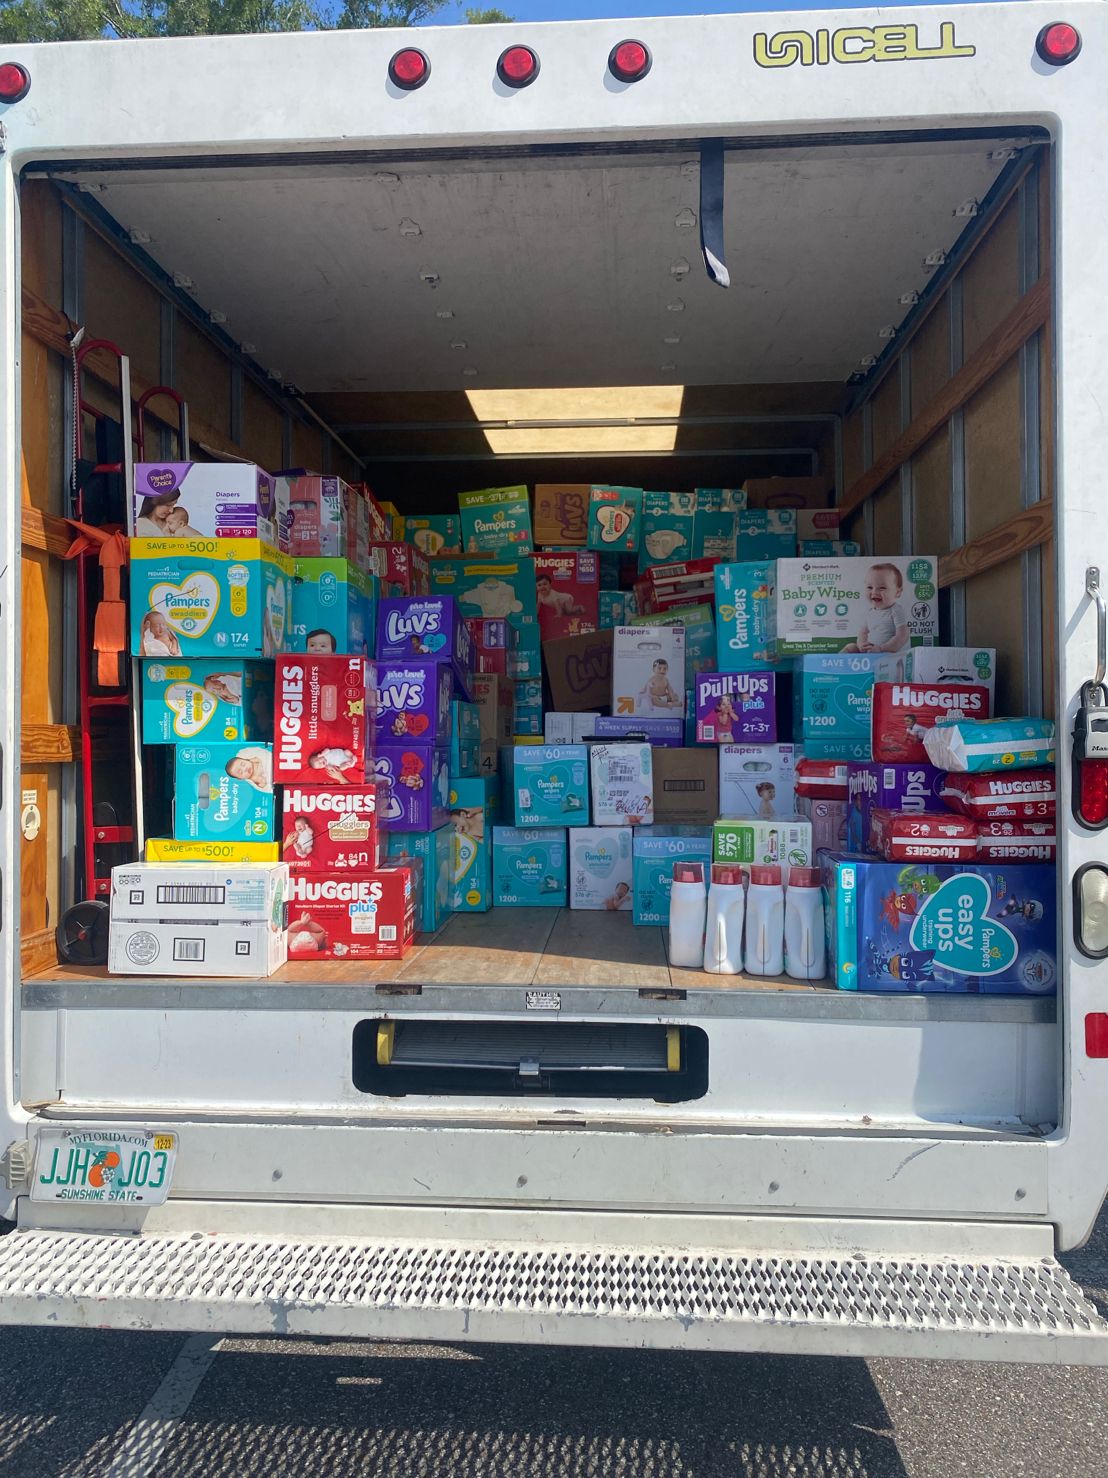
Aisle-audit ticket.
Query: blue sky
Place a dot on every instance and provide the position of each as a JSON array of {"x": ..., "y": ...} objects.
[{"x": 566, "y": 10}]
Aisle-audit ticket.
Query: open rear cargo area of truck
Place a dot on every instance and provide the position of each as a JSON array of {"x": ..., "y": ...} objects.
[{"x": 437, "y": 322}]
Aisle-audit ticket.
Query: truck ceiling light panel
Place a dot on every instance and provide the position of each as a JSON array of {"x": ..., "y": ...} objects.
[
  {"x": 409, "y": 69},
  {"x": 15, "y": 82},
  {"x": 517, "y": 67},
  {"x": 1058, "y": 44},
  {"x": 629, "y": 61}
]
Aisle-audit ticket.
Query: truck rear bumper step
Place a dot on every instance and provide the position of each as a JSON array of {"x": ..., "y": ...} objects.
[{"x": 1025, "y": 1309}]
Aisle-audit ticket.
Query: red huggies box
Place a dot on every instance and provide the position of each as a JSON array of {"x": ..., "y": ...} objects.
[
  {"x": 1016, "y": 841},
  {"x": 1023, "y": 795},
  {"x": 903, "y": 712},
  {"x": 333, "y": 828},
  {"x": 821, "y": 780},
  {"x": 323, "y": 709},
  {"x": 921, "y": 836},
  {"x": 343, "y": 916}
]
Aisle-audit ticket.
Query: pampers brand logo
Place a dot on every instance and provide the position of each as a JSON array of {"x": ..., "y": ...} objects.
[
  {"x": 964, "y": 699},
  {"x": 856, "y": 44},
  {"x": 290, "y": 744},
  {"x": 331, "y": 802}
]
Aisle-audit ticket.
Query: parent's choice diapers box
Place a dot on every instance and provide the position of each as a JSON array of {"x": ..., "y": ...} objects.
[
  {"x": 317, "y": 513},
  {"x": 983, "y": 929},
  {"x": 648, "y": 670},
  {"x": 530, "y": 867},
  {"x": 600, "y": 868},
  {"x": 223, "y": 792},
  {"x": 207, "y": 500},
  {"x": 496, "y": 521},
  {"x": 219, "y": 699},
  {"x": 879, "y": 604},
  {"x": 549, "y": 784},
  {"x": 208, "y": 598}
]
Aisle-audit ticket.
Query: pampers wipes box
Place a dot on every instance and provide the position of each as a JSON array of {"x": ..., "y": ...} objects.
[
  {"x": 208, "y": 598},
  {"x": 654, "y": 851},
  {"x": 940, "y": 926},
  {"x": 875, "y": 604},
  {"x": 529, "y": 867},
  {"x": 549, "y": 784},
  {"x": 600, "y": 868}
]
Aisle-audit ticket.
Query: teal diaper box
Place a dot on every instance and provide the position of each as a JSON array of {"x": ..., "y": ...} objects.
[
  {"x": 496, "y": 587},
  {"x": 221, "y": 699},
  {"x": 832, "y": 700},
  {"x": 333, "y": 608},
  {"x": 549, "y": 784},
  {"x": 473, "y": 807},
  {"x": 223, "y": 793},
  {"x": 746, "y": 616},
  {"x": 767, "y": 533},
  {"x": 667, "y": 527},
  {"x": 208, "y": 598},
  {"x": 715, "y": 528},
  {"x": 496, "y": 521},
  {"x": 654, "y": 850},
  {"x": 436, "y": 851},
  {"x": 465, "y": 740},
  {"x": 530, "y": 867}
]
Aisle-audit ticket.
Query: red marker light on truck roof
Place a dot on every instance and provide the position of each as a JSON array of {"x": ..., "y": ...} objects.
[
  {"x": 1058, "y": 43},
  {"x": 15, "y": 82},
  {"x": 629, "y": 61},
  {"x": 518, "y": 66},
  {"x": 409, "y": 69}
]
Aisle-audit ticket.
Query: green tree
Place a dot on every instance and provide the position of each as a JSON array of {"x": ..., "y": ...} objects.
[{"x": 492, "y": 17}]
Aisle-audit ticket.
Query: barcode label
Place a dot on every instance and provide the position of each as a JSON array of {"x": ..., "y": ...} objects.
[
  {"x": 188, "y": 949},
  {"x": 387, "y": 933},
  {"x": 621, "y": 774},
  {"x": 673, "y": 787},
  {"x": 525, "y": 798},
  {"x": 191, "y": 893}
]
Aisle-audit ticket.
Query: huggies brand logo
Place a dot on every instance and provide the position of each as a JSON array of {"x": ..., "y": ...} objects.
[
  {"x": 290, "y": 744},
  {"x": 856, "y": 44},
  {"x": 330, "y": 802}
]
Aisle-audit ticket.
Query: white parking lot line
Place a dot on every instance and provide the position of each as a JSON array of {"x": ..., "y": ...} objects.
[{"x": 155, "y": 1425}]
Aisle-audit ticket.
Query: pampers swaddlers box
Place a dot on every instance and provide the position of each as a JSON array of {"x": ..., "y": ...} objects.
[
  {"x": 473, "y": 807},
  {"x": 208, "y": 598},
  {"x": 940, "y": 926},
  {"x": 746, "y": 616},
  {"x": 600, "y": 868},
  {"x": 221, "y": 700},
  {"x": 855, "y": 605},
  {"x": 550, "y": 784},
  {"x": 207, "y": 500},
  {"x": 648, "y": 670},
  {"x": 223, "y": 792},
  {"x": 529, "y": 867}
]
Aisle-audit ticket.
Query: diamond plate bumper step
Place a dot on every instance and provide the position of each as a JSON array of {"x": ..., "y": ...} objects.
[{"x": 1011, "y": 1309}]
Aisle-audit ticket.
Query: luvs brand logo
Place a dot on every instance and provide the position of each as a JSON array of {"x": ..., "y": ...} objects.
[{"x": 856, "y": 44}]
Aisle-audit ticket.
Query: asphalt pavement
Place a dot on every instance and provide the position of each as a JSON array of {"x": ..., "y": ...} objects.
[{"x": 77, "y": 1404}]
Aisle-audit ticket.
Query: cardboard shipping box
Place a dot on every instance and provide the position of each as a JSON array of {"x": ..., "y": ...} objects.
[
  {"x": 686, "y": 786},
  {"x": 788, "y": 492},
  {"x": 561, "y": 513},
  {"x": 580, "y": 671}
]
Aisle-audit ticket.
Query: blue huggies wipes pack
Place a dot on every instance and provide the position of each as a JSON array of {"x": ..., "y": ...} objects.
[
  {"x": 436, "y": 851},
  {"x": 221, "y": 699},
  {"x": 977, "y": 746},
  {"x": 550, "y": 784},
  {"x": 985, "y": 929},
  {"x": 530, "y": 867},
  {"x": 223, "y": 792},
  {"x": 746, "y": 617}
]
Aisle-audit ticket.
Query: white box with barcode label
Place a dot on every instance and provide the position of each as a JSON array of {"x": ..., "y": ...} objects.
[
  {"x": 188, "y": 919},
  {"x": 622, "y": 784}
]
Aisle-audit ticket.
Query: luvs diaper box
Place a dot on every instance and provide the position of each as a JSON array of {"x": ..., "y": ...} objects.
[
  {"x": 219, "y": 699},
  {"x": 940, "y": 926},
  {"x": 207, "y": 500},
  {"x": 473, "y": 807},
  {"x": 736, "y": 707},
  {"x": 323, "y": 706},
  {"x": 561, "y": 513},
  {"x": 549, "y": 784},
  {"x": 416, "y": 782},
  {"x": 427, "y": 626},
  {"x": 648, "y": 670},
  {"x": 496, "y": 521},
  {"x": 654, "y": 850},
  {"x": 833, "y": 704},
  {"x": 332, "y": 608},
  {"x": 413, "y": 702},
  {"x": 496, "y": 587},
  {"x": 223, "y": 792},
  {"x": 530, "y": 867},
  {"x": 331, "y": 828},
  {"x": 600, "y": 868},
  {"x": 567, "y": 588},
  {"x": 746, "y": 616},
  {"x": 435, "y": 850},
  {"x": 875, "y": 604},
  {"x": 615, "y": 518},
  {"x": 208, "y": 598}
]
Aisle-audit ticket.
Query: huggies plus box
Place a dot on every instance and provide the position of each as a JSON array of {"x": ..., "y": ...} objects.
[
  {"x": 208, "y": 598},
  {"x": 345, "y": 916},
  {"x": 322, "y": 707}
]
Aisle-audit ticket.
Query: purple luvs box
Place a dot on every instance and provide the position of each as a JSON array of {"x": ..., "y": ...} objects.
[
  {"x": 416, "y": 778},
  {"x": 890, "y": 787},
  {"x": 736, "y": 708},
  {"x": 413, "y": 702},
  {"x": 669, "y": 733},
  {"x": 431, "y": 626},
  {"x": 207, "y": 500}
]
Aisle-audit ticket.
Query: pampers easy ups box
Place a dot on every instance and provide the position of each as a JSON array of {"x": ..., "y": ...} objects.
[
  {"x": 746, "y": 616},
  {"x": 495, "y": 521},
  {"x": 207, "y": 500},
  {"x": 549, "y": 784},
  {"x": 529, "y": 867},
  {"x": 985, "y": 929},
  {"x": 208, "y": 598},
  {"x": 219, "y": 699},
  {"x": 600, "y": 868},
  {"x": 223, "y": 792},
  {"x": 654, "y": 851},
  {"x": 874, "y": 604}
]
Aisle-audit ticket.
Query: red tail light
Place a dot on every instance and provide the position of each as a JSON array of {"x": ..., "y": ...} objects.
[
  {"x": 1090, "y": 793},
  {"x": 1096, "y": 1034},
  {"x": 518, "y": 66},
  {"x": 15, "y": 82},
  {"x": 409, "y": 69},
  {"x": 629, "y": 61},
  {"x": 1058, "y": 44}
]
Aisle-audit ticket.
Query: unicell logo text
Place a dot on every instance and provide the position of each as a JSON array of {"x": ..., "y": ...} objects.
[
  {"x": 964, "y": 700},
  {"x": 290, "y": 744},
  {"x": 304, "y": 889},
  {"x": 332, "y": 802},
  {"x": 415, "y": 623}
]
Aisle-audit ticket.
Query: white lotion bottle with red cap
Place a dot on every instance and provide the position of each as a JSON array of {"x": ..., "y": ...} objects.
[
  {"x": 805, "y": 941},
  {"x": 765, "y": 922},
  {"x": 723, "y": 934},
  {"x": 688, "y": 906}
]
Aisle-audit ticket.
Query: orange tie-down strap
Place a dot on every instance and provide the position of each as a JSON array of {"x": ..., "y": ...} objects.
[{"x": 109, "y": 632}]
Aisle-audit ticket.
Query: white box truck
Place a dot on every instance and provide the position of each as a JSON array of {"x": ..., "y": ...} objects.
[{"x": 453, "y": 257}]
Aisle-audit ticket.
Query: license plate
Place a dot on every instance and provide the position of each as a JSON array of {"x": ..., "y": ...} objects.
[{"x": 110, "y": 1166}]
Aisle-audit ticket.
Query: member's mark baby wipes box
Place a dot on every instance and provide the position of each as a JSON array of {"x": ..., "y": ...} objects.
[{"x": 878, "y": 604}]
